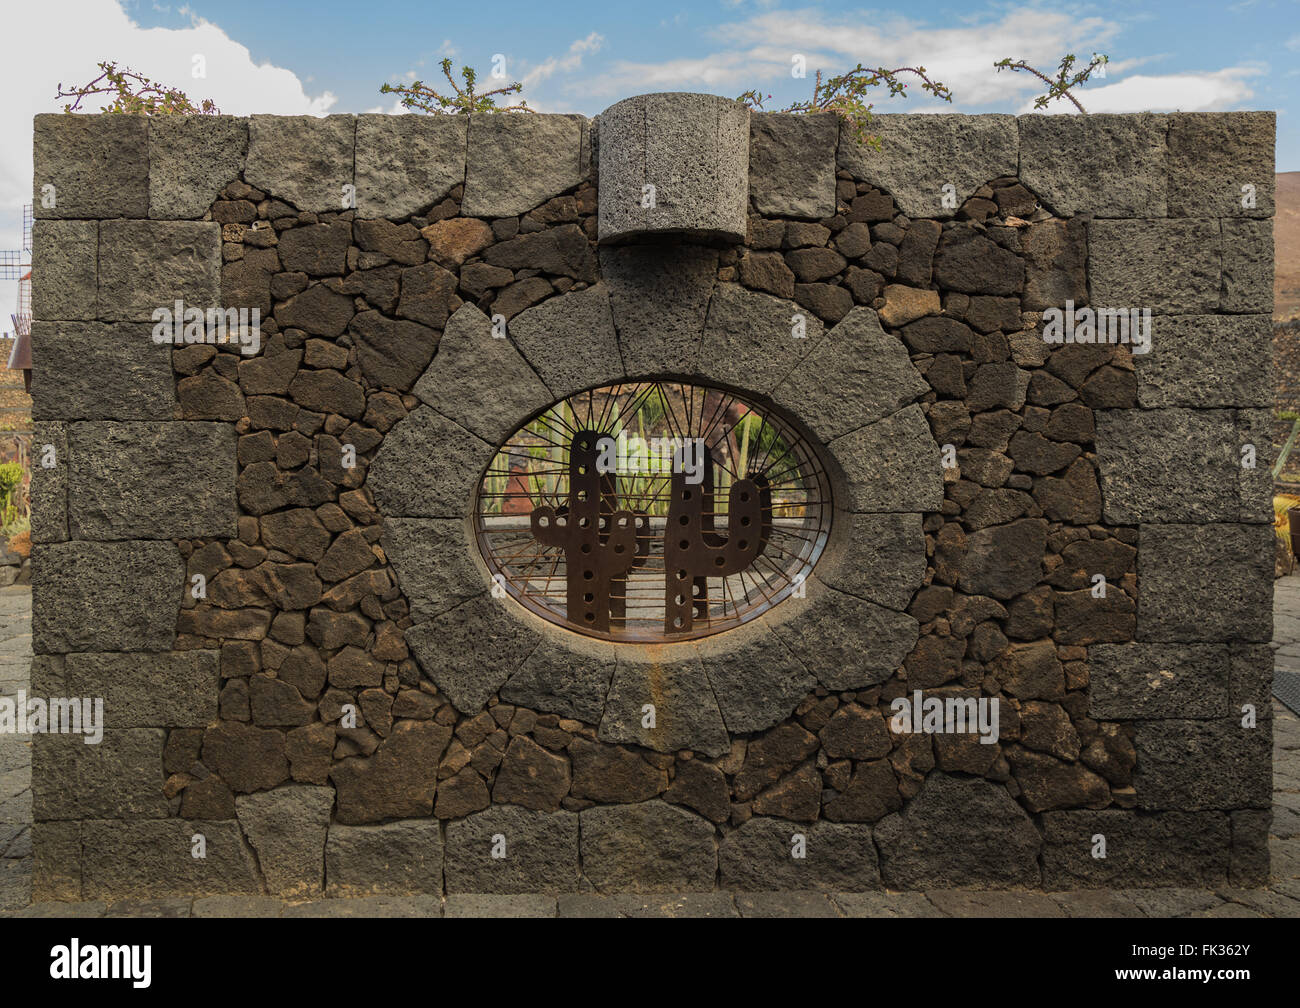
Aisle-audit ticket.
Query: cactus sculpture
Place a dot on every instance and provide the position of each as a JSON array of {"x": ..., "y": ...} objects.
[
  {"x": 600, "y": 540},
  {"x": 694, "y": 551}
]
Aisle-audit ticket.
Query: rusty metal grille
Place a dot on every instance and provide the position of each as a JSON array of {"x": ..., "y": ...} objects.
[{"x": 653, "y": 511}]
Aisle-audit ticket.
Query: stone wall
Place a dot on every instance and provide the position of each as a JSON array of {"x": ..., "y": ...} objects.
[{"x": 984, "y": 478}]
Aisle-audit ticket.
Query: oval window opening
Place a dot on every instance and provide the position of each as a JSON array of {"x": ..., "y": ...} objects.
[{"x": 653, "y": 511}]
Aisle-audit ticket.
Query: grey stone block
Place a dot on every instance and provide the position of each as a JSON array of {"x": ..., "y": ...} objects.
[
  {"x": 97, "y": 164},
  {"x": 922, "y": 153},
  {"x": 557, "y": 680},
  {"x": 56, "y": 861},
  {"x": 891, "y": 465},
  {"x": 154, "y": 859},
  {"x": 694, "y": 150},
  {"x": 479, "y": 381},
  {"x": 406, "y": 163},
  {"x": 959, "y": 832},
  {"x": 237, "y": 906},
  {"x": 488, "y": 905},
  {"x": 1191, "y": 765},
  {"x": 1169, "y": 266},
  {"x": 686, "y": 714},
  {"x": 369, "y": 908},
  {"x": 470, "y": 651},
  {"x": 1255, "y": 483},
  {"x": 540, "y": 852},
  {"x": 1131, "y": 681},
  {"x": 1175, "y": 848},
  {"x": 393, "y": 859},
  {"x": 176, "y": 689},
  {"x": 1248, "y": 864},
  {"x": 1250, "y": 680},
  {"x": 855, "y": 375},
  {"x": 65, "y": 270},
  {"x": 570, "y": 341},
  {"x": 1205, "y": 583},
  {"x": 433, "y": 564},
  {"x": 1144, "y": 458},
  {"x": 303, "y": 160},
  {"x": 1205, "y": 361},
  {"x": 151, "y": 480},
  {"x": 1104, "y": 165},
  {"x": 427, "y": 467},
  {"x": 49, "y": 490},
  {"x": 147, "y": 265},
  {"x": 648, "y": 847},
  {"x": 759, "y": 857},
  {"x": 119, "y": 596},
  {"x": 749, "y": 339},
  {"x": 792, "y": 164},
  {"x": 649, "y": 905},
  {"x": 845, "y": 641},
  {"x": 659, "y": 295},
  {"x": 1212, "y": 155},
  {"x": 517, "y": 162},
  {"x": 191, "y": 159},
  {"x": 93, "y": 371},
  {"x": 286, "y": 828},
  {"x": 120, "y": 777},
  {"x": 877, "y": 557},
  {"x": 755, "y": 678},
  {"x": 1247, "y": 266}
]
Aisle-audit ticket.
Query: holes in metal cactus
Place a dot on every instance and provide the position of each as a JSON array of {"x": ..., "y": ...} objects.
[{"x": 653, "y": 511}]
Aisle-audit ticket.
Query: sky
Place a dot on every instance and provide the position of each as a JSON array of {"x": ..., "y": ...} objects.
[{"x": 329, "y": 56}]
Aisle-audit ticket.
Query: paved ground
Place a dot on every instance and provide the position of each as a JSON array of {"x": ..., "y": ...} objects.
[{"x": 1281, "y": 899}]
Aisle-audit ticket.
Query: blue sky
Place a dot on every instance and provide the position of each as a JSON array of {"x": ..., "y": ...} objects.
[{"x": 331, "y": 56}]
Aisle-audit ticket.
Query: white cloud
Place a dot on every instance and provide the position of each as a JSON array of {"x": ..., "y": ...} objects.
[
  {"x": 62, "y": 45},
  {"x": 1214, "y": 91},
  {"x": 570, "y": 61}
]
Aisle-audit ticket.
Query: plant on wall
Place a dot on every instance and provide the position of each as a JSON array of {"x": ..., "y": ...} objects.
[
  {"x": 133, "y": 92},
  {"x": 1062, "y": 84},
  {"x": 463, "y": 100},
  {"x": 846, "y": 95}
]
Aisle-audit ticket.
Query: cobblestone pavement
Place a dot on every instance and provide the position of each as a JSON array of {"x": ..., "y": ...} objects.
[{"x": 1281, "y": 899}]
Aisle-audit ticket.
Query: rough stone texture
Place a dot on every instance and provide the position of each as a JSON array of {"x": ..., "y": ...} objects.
[
  {"x": 151, "y": 480},
  {"x": 757, "y": 684},
  {"x": 694, "y": 150},
  {"x": 539, "y": 852},
  {"x": 686, "y": 714},
  {"x": 921, "y": 154},
  {"x": 792, "y": 164},
  {"x": 570, "y": 341},
  {"x": 471, "y": 650},
  {"x": 1186, "y": 348},
  {"x": 758, "y": 857},
  {"x": 846, "y": 642},
  {"x": 517, "y": 162},
  {"x": 304, "y": 160},
  {"x": 146, "y": 265},
  {"x": 398, "y": 781},
  {"x": 82, "y": 371},
  {"x": 397, "y": 858},
  {"x": 153, "y": 859},
  {"x": 1205, "y": 583},
  {"x": 749, "y": 338},
  {"x": 855, "y": 375},
  {"x": 169, "y": 690},
  {"x": 81, "y": 606},
  {"x": 881, "y": 559},
  {"x": 405, "y": 163},
  {"x": 121, "y": 776},
  {"x": 481, "y": 382},
  {"x": 191, "y": 159},
  {"x": 97, "y": 164},
  {"x": 1005, "y": 560},
  {"x": 1174, "y": 848},
  {"x": 1169, "y": 266},
  {"x": 427, "y": 466},
  {"x": 649, "y": 847},
  {"x": 1144, "y": 457},
  {"x": 1128, "y": 681},
  {"x": 65, "y": 270},
  {"x": 49, "y": 487},
  {"x": 659, "y": 295},
  {"x": 432, "y": 560},
  {"x": 891, "y": 465},
  {"x": 1106, "y": 165},
  {"x": 959, "y": 832},
  {"x": 568, "y": 683},
  {"x": 287, "y": 828},
  {"x": 1212, "y": 155},
  {"x": 1195, "y": 765},
  {"x": 1247, "y": 266}
]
